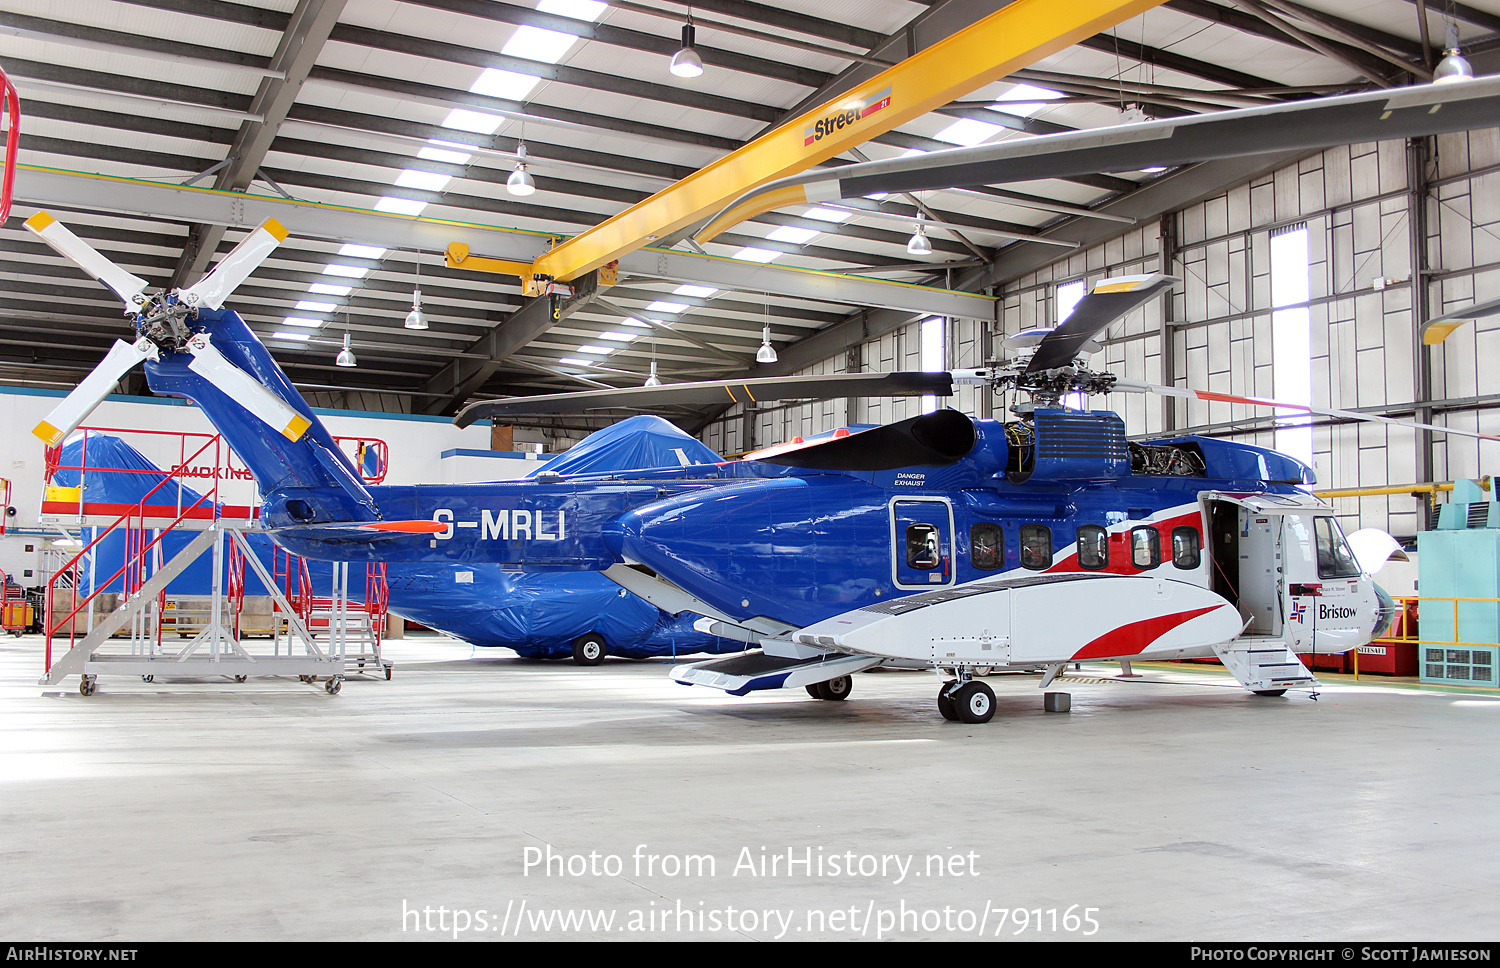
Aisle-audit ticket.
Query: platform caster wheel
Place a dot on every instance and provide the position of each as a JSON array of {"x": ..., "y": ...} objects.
[
  {"x": 241, "y": 678},
  {"x": 87, "y": 685},
  {"x": 834, "y": 690},
  {"x": 1270, "y": 692},
  {"x": 148, "y": 678},
  {"x": 388, "y": 672},
  {"x": 589, "y": 650},
  {"x": 334, "y": 684},
  {"x": 974, "y": 702},
  {"x": 945, "y": 701}
]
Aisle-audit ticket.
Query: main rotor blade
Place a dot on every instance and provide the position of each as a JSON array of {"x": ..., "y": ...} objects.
[
  {"x": 1434, "y": 331},
  {"x": 128, "y": 287},
  {"x": 941, "y": 437},
  {"x": 1092, "y": 315},
  {"x": 708, "y": 393},
  {"x": 1135, "y": 386},
  {"x": 235, "y": 268},
  {"x": 1405, "y": 112},
  {"x": 76, "y": 406},
  {"x": 244, "y": 389}
]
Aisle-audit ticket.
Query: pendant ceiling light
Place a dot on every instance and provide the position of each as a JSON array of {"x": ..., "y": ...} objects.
[
  {"x": 686, "y": 62},
  {"x": 520, "y": 181},
  {"x": 767, "y": 352},
  {"x": 346, "y": 355},
  {"x": 416, "y": 319},
  {"x": 919, "y": 243},
  {"x": 1454, "y": 67}
]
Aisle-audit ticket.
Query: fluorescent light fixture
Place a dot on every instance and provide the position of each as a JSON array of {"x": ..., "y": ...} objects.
[
  {"x": 662, "y": 306},
  {"x": 596, "y": 350},
  {"x": 570, "y": 361},
  {"x": 474, "y": 121},
  {"x": 362, "y": 251},
  {"x": 294, "y": 337},
  {"x": 313, "y": 306},
  {"x": 324, "y": 289},
  {"x": 968, "y": 132},
  {"x": 300, "y": 321},
  {"x": 590, "y": 10},
  {"x": 752, "y": 254},
  {"x": 427, "y": 181},
  {"x": 792, "y": 234},
  {"x": 826, "y": 214},
  {"x": 445, "y": 155},
  {"x": 507, "y": 85},
  {"x": 399, "y": 206},
  {"x": 637, "y": 323},
  {"x": 1024, "y": 100},
  {"x": 348, "y": 272},
  {"x": 535, "y": 43},
  {"x": 617, "y": 337},
  {"x": 697, "y": 292}
]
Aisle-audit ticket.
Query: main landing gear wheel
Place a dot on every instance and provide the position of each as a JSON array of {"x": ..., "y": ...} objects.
[
  {"x": 589, "y": 650},
  {"x": 945, "y": 700},
  {"x": 834, "y": 690},
  {"x": 966, "y": 702}
]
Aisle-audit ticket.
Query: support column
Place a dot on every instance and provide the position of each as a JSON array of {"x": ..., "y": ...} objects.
[{"x": 1418, "y": 155}]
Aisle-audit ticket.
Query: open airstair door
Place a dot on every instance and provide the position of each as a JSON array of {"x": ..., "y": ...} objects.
[{"x": 1281, "y": 560}]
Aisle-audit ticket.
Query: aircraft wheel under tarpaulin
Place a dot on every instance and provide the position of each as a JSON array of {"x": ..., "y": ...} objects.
[
  {"x": 589, "y": 649},
  {"x": 834, "y": 690},
  {"x": 1269, "y": 692},
  {"x": 974, "y": 702},
  {"x": 945, "y": 700}
]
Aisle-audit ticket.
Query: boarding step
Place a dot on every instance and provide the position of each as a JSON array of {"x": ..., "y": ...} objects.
[
  {"x": 1262, "y": 666},
  {"x": 746, "y": 672}
]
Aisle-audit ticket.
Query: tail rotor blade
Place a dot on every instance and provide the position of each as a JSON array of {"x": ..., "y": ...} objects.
[
  {"x": 235, "y": 268},
  {"x": 128, "y": 287},
  {"x": 245, "y": 390},
  {"x": 1208, "y": 396},
  {"x": 76, "y": 406}
]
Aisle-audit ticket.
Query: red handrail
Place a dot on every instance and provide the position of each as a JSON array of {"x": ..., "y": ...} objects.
[{"x": 11, "y": 106}]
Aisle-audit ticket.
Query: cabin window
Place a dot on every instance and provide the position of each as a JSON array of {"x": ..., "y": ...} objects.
[
  {"x": 1335, "y": 560},
  {"x": 1145, "y": 548},
  {"x": 1185, "y": 547},
  {"x": 923, "y": 547},
  {"x": 1036, "y": 546},
  {"x": 986, "y": 547},
  {"x": 1093, "y": 548}
]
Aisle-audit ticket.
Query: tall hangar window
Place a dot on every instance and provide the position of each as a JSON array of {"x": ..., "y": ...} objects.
[
  {"x": 934, "y": 337},
  {"x": 1068, "y": 296},
  {"x": 1291, "y": 337}
]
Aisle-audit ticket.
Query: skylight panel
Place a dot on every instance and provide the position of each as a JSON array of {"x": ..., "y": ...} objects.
[
  {"x": 362, "y": 251},
  {"x": 1024, "y": 100},
  {"x": 475, "y": 121},
  {"x": 590, "y": 10},
  {"x": 348, "y": 272},
  {"x": 493, "y": 82},
  {"x": 535, "y": 43},
  {"x": 968, "y": 132},
  {"x": 752, "y": 254},
  {"x": 399, "y": 206},
  {"x": 446, "y": 155},
  {"x": 697, "y": 292},
  {"x": 662, "y": 306},
  {"x": 792, "y": 234},
  {"x": 427, "y": 181}
]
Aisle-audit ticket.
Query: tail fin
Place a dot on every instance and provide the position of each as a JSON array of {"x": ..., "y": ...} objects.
[{"x": 306, "y": 481}]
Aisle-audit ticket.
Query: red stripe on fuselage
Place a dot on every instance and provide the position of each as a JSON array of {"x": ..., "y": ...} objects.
[{"x": 1133, "y": 639}]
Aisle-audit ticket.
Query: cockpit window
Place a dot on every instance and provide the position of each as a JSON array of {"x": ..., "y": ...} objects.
[{"x": 1335, "y": 560}]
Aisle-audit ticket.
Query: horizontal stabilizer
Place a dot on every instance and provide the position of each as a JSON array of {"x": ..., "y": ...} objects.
[{"x": 753, "y": 671}]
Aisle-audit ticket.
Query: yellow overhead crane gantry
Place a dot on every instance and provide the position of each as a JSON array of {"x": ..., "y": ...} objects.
[{"x": 1017, "y": 36}]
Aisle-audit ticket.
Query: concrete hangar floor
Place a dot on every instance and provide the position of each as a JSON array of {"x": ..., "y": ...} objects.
[{"x": 482, "y": 796}]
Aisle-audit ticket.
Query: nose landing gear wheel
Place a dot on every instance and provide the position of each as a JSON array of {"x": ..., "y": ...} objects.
[
  {"x": 834, "y": 690},
  {"x": 589, "y": 650}
]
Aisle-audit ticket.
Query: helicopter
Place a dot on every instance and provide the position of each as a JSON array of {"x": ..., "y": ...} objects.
[{"x": 942, "y": 541}]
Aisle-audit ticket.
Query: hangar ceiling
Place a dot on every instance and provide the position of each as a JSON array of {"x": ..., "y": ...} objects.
[{"x": 416, "y": 110}]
